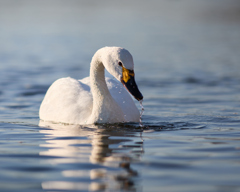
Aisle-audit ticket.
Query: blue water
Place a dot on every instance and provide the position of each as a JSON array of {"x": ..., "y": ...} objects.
[{"x": 187, "y": 66}]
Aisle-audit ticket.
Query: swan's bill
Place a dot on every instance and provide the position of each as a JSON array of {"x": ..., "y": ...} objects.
[{"x": 129, "y": 83}]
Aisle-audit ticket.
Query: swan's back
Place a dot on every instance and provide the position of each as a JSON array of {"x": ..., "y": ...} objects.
[{"x": 67, "y": 100}]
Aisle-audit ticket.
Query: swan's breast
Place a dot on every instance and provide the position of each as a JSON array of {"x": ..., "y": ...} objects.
[{"x": 124, "y": 100}]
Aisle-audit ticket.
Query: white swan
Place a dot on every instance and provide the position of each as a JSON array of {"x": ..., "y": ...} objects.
[{"x": 93, "y": 99}]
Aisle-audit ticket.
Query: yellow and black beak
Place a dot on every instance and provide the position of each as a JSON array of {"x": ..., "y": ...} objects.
[{"x": 129, "y": 83}]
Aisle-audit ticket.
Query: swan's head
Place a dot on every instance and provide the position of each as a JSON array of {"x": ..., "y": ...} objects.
[{"x": 119, "y": 62}]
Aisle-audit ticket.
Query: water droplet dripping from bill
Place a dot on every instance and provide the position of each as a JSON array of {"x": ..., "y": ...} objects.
[{"x": 141, "y": 114}]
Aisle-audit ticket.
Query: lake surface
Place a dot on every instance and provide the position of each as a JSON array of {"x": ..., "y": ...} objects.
[{"x": 187, "y": 66}]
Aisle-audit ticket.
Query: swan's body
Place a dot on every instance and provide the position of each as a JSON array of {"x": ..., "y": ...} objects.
[{"x": 94, "y": 99}]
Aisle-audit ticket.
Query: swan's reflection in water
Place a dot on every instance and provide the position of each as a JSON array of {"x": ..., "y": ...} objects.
[{"x": 95, "y": 158}]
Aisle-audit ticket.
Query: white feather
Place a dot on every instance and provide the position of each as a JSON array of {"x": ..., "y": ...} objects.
[{"x": 71, "y": 101}]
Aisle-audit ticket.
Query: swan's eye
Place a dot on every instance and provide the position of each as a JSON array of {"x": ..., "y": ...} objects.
[{"x": 120, "y": 63}]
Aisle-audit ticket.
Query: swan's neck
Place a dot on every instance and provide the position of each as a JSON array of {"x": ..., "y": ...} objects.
[{"x": 105, "y": 109}]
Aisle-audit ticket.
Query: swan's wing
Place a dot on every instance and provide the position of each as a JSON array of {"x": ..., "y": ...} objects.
[
  {"x": 67, "y": 100},
  {"x": 124, "y": 100}
]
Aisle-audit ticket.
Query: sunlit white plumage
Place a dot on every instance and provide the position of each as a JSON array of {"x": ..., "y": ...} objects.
[{"x": 94, "y": 99}]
